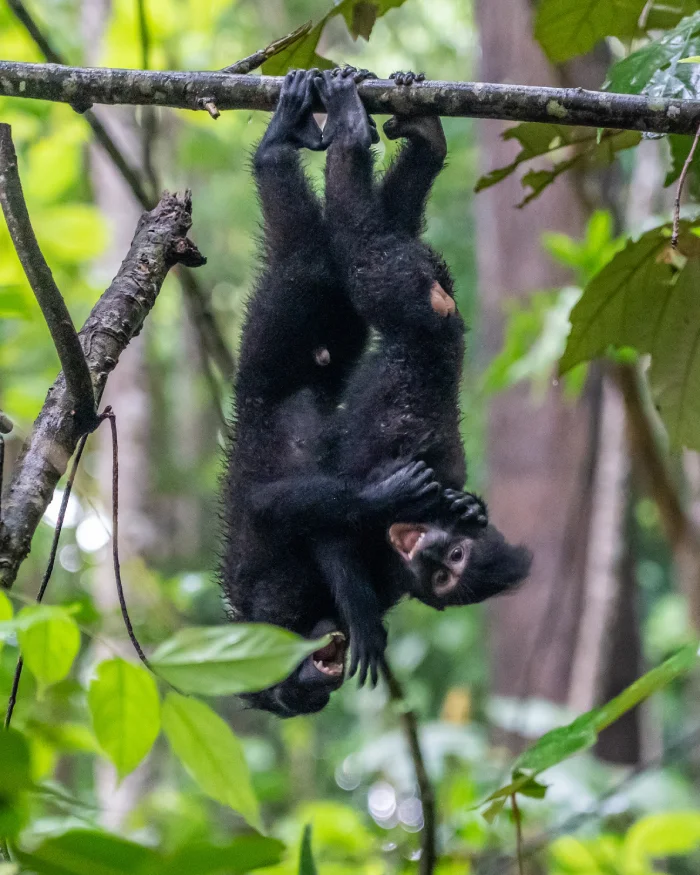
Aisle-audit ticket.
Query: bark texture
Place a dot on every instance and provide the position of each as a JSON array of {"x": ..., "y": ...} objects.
[
  {"x": 159, "y": 243},
  {"x": 82, "y": 87}
]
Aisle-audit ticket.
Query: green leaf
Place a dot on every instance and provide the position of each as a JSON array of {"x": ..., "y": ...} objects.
[
  {"x": 125, "y": 709},
  {"x": 584, "y": 149},
  {"x": 15, "y": 763},
  {"x": 666, "y": 14},
  {"x": 656, "y": 68},
  {"x": 656, "y": 679},
  {"x": 87, "y": 852},
  {"x": 211, "y": 754},
  {"x": 622, "y": 303},
  {"x": 231, "y": 659},
  {"x": 307, "y": 866},
  {"x": 360, "y": 17},
  {"x": 660, "y": 835},
  {"x": 49, "y": 640},
  {"x": 15, "y": 778},
  {"x": 243, "y": 854},
  {"x": 566, "y": 28},
  {"x": 646, "y": 298},
  {"x": 5, "y": 612},
  {"x": 300, "y": 55},
  {"x": 565, "y": 741}
]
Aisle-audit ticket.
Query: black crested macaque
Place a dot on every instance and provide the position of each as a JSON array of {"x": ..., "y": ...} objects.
[
  {"x": 401, "y": 401},
  {"x": 301, "y": 340}
]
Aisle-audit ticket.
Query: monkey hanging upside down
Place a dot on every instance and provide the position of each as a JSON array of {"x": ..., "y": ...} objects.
[{"x": 344, "y": 488}]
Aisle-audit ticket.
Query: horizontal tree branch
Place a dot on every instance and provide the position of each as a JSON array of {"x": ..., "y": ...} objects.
[
  {"x": 159, "y": 243},
  {"x": 50, "y": 299},
  {"x": 83, "y": 86}
]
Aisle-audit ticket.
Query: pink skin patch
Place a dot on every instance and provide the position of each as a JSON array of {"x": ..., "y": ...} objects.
[{"x": 440, "y": 301}]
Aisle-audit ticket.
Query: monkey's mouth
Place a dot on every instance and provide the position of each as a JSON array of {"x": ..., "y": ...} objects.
[
  {"x": 407, "y": 539},
  {"x": 330, "y": 660}
]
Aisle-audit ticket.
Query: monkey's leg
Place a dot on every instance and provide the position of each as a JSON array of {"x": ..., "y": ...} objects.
[
  {"x": 349, "y": 132},
  {"x": 291, "y": 211},
  {"x": 301, "y": 330},
  {"x": 408, "y": 181}
]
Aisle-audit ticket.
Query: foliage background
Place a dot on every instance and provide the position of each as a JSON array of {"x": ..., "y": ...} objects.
[{"x": 347, "y": 770}]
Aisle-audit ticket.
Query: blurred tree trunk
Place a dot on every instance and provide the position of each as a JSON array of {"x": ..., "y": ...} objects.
[
  {"x": 542, "y": 457},
  {"x": 128, "y": 393}
]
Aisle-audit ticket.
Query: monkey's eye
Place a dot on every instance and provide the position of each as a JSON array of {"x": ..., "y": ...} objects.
[{"x": 457, "y": 554}]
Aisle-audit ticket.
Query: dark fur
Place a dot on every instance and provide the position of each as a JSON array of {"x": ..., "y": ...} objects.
[{"x": 311, "y": 488}]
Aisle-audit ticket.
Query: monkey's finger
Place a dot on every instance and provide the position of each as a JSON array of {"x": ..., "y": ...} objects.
[
  {"x": 354, "y": 662},
  {"x": 374, "y": 673},
  {"x": 362, "y": 676}
]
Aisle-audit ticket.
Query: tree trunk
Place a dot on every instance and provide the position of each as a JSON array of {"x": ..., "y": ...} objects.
[{"x": 540, "y": 457}]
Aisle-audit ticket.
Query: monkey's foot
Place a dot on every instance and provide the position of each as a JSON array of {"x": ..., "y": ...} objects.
[
  {"x": 408, "y": 78},
  {"x": 468, "y": 508},
  {"x": 347, "y": 118},
  {"x": 293, "y": 121}
]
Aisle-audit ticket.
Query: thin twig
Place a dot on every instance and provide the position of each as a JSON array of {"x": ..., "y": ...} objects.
[
  {"x": 252, "y": 62},
  {"x": 428, "y": 857},
  {"x": 517, "y": 819},
  {"x": 679, "y": 190},
  {"x": 12, "y": 700},
  {"x": 50, "y": 299},
  {"x": 109, "y": 414}
]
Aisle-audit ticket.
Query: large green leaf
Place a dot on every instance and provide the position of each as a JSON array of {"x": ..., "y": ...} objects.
[
  {"x": 561, "y": 743},
  {"x": 231, "y": 659},
  {"x": 87, "y": 852},
  {"x": 585, "y": 148},
  {"x": 123, "y": 701},
  {"x": 647, "y": 298},
  {"x": 243, "y": 854},
  {"x": 211, "y": 754},
  {"x": 655, "y": 69},
  {"x": 49, "y": 640},
  {"x": 566, "y": 28}
]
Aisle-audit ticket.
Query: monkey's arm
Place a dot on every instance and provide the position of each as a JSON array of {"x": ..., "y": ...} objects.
[
  {"x": 320, "y": 501},
  {"x": 340, "y": 562},
  {"x": 407, "y": 182}
]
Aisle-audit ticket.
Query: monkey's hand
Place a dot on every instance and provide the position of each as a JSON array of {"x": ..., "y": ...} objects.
[
  {"x": 419, "y": 128},
  {"x": 469, "y": 509},
  {"x": 367, "y": 646},
  {"x": 405, "y": 489}
]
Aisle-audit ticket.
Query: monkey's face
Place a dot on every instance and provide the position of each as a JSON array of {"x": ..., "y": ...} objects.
[
  {"x": 449, "y": 568},
  {"x": 308, "y": 689},
  {"x": 436, "y": 558}
]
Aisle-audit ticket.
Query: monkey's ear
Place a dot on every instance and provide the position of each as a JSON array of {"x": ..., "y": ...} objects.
[{"x": 405, "y": 537}]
